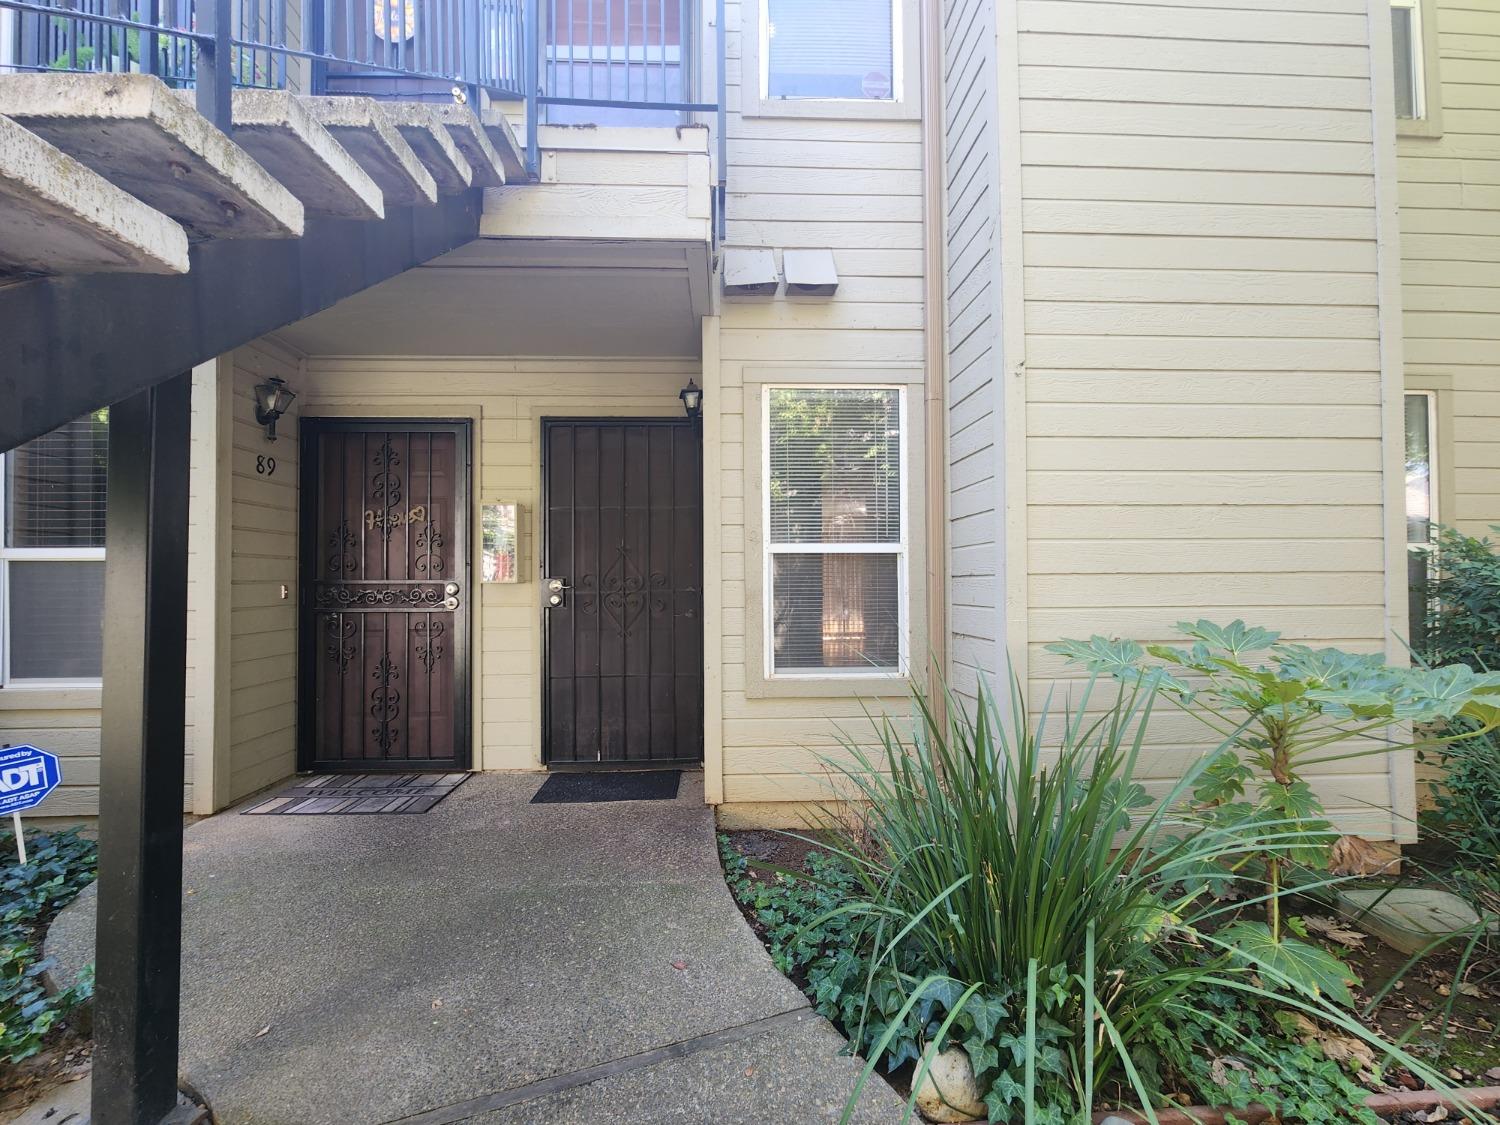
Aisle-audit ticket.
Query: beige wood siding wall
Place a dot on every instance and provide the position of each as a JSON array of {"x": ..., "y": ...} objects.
[
  {"x": 263, "y": 546},
  {"x": 506, "y": 399},
  {"x": 1450, "y": 262},
  {"x": 855, "y": 187},
  {"x": 1204, "y": 426},
  {"x": 65, "y": 722},
  {"x": 976, "y": 577}
]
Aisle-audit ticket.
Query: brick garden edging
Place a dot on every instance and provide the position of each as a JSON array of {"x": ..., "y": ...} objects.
[{"x": 1383, "y": 1105}]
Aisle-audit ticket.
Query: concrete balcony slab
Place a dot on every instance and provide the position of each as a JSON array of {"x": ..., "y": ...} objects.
[
  {"x": 502, "y": 135},
  {"x": 58, "y": 217},
  {"x": 424, "y": 130},
  {"x": 363, "y": 127},
  {"x": 278, "y": 130},
  {"x": 475, "y": 144},
  {"x": 138, "y": 134}
]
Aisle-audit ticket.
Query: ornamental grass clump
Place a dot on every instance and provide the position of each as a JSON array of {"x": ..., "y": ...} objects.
[{"x": 1010, "y": 888}]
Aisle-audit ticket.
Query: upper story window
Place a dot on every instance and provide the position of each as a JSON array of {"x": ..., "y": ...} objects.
[
  {"x": 836, "y": 534},
  {"x": 1406, "y": 52},
  {"x": 829, "y": 49},
  {"x": 830, "y": 58},
  {"x": 52, "y": 555},
  {"x": 1414, "y": 57}
]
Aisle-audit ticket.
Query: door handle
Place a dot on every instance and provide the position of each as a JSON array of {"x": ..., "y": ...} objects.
[{"x": 555, "y": 588}]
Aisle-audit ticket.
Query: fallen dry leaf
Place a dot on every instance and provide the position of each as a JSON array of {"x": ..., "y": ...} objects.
[
  {"x": 436, "y": 1004},
  {"x": 1354, "y": 855},
  {"x": 263, "y": 1031},
  {"x": 679, "y": 964},
  {"x": 1334, "y": 930},
  {"x": 1342, "y": 1049}
]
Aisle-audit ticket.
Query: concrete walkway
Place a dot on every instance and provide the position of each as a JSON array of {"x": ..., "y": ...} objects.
[{"x": 491, "y": 961}]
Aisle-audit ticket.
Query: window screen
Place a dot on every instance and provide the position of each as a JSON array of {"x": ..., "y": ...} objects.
[
  {"x": 835, "y": 531},
  {"x": 52, "y": 553},
  {"x": 1405, "y": 42},
  {"x": 54, "y": 487},
  {"x": 56, "y": 620},
  {"x": 830, "y": 49}
]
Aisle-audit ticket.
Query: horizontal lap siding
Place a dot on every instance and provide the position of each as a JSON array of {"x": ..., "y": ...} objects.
[
  {"x": 263, "y": 557},
  {"x": 854, "y": 187},
  {"x": 1450, "y": 263},
  {"x": 510, "y": 397},
  {"x": 1203, "y": 410},
  {"x": 66, "y": 723},
  {"x": 975, "y": 500}
]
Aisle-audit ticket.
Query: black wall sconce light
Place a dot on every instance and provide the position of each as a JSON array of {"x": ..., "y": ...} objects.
[
  {"x": 692, "y": 399},
  {"x": 272, "y": 398}
]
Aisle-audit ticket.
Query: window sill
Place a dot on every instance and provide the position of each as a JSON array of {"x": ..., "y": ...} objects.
[
  {"x": 1418, "y": 127},
  {"x": 895, "y": 685},
  {"x": 833, "y": 109},
  {"x": 51, "y": 697}
]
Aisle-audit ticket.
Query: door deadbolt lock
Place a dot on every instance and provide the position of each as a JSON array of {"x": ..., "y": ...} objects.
[
  {"x": 555, "y": 599},
  {"x": 451, "y": 589}
]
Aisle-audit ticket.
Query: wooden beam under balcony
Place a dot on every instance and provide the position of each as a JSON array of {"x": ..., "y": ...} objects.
[{"x": 74, "y": 343}]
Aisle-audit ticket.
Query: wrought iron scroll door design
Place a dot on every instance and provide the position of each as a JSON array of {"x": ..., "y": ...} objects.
[
  {"x": 623, "y": 592},
  {"x": 385, "y": 589}
]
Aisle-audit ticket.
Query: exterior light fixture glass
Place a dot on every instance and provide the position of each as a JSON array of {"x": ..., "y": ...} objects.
[
  {"x": 692, "y": 399},
  {"x": 272, "y": 398}
]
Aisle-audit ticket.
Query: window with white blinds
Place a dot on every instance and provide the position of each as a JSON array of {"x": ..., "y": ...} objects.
[
  {"x": 52, "y": 507},
  {"x": 836, "y": 537},
  {"x": 829, "y": 49}
]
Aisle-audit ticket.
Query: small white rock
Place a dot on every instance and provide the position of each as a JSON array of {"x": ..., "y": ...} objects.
[{"x": 948, "y": 1091}]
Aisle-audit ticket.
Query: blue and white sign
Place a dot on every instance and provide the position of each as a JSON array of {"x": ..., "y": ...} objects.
[{"x": 27, "y": 775}]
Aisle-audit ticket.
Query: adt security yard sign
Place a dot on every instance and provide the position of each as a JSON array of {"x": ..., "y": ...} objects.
[{"x": 27, "y": 775}]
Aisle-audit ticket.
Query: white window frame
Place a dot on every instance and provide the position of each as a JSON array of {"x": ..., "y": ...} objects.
[
  {"x": 1427, "y": 91},
  {"x": 901, "y": 549},
  {"x": 1434, "y": 511},
  {"x": 905, "y": 99},
  {"x": 1418, "y": 89},
  {"x": 10, "y": 554}
]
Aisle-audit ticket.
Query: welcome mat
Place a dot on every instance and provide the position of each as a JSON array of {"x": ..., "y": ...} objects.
[
  {"x": 322, "y": 794},
  {"x": 626, "y": 785}
]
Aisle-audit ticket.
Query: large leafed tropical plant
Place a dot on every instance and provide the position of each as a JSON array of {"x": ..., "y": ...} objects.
[{"x": 1283, "y": 708}]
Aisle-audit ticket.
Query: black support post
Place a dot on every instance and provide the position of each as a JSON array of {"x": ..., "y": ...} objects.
[{"x": 139, "y": 938}]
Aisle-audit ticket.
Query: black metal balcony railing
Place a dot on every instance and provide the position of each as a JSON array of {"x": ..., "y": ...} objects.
[{"x": 613, "y": 60}]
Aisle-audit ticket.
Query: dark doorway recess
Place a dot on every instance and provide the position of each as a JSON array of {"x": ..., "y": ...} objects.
[
  {"x": 622, "y": 593},
  {"x": 384, "y": 663}
]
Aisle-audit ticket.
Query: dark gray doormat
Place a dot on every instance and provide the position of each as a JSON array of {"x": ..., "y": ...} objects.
[
  {"x": 588, "y": 788},
  {"x": 321, "y": 794}
]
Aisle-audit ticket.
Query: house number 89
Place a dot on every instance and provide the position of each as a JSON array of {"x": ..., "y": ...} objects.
[{"x": 265, "y": 466}]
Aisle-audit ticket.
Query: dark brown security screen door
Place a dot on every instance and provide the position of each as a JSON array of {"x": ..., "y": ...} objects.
[
  {"x": 385, "y": 589},
  {"x": 624, "y": 648}
]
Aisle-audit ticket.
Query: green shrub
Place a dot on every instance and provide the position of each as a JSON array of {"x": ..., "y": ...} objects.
[
  {"x": 1462, "y": 624},
  {"x": 1281, "y": 708},
  {"x": 1019, "y": 894},
  {"x": 61, "y": 864},
  {"x": 1010, "y": 888}
]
